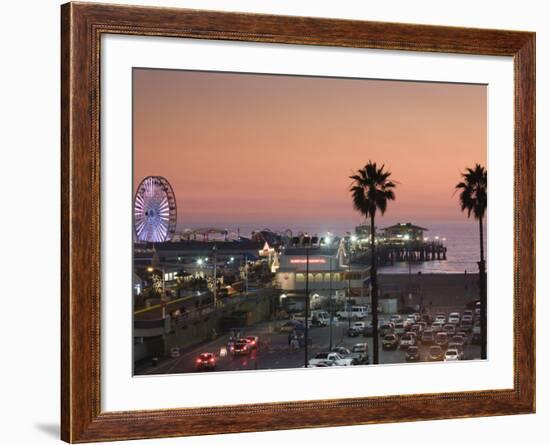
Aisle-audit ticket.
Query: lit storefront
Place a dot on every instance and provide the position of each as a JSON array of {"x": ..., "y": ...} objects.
[{"x": 327, "y": 271}]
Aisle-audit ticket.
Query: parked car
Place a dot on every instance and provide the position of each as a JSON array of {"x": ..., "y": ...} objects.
[
  {"x": 367, "y": 332},
  {"x": 330, "y": 357},
  {"x": 360, "y": 324},
  {"x": 399, "y": 329},
  {"x": 390, "y": 341},
  {"x": 427, "y": 337},
  {"x": 435, "y": 354},
  {"x": 409, "y": 321},
  {"x": 449, "y": 328},
  {"x": 353, "y": 312},
  {"x": 301, "y": 318},
  {"x": 360, "y": 354},
  {"x": 206, "y": 360},
  {"x": 441, "y": 339},
  {"x": 441, "y": 318},
  {"x": 412, "y": 354},
  {"x": 354, "y": 331},
  {"x": 457, "y": 339},
  {"x": 290, "y": 326},
  {"x": 320, "y": 318},
  {"x": 417, "y": 328},
  {"x": 466, "y": 325},
  {"x": 386, "y": 329},
  {"x": 407, "y": 340},
  {"x": 468, "y": 313},
  {"x": 396, "y": 318},
  {"x": 454, "y": 318},
  {"x": 437, "y": 326},
  {"x": 459, "y": 348},
  {"x": 342, "y": 352},
  {"x": 451, "y": 355}
]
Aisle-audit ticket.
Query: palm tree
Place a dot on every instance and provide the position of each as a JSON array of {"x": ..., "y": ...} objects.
[
  {"x": 473, "y": 199},
  {"x": 371, "y": 190}
]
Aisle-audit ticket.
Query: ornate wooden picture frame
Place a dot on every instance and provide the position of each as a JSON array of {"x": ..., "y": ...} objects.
[{"x": 82, "y": 25}]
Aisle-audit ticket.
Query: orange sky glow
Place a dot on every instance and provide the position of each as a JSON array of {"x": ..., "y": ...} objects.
[{"x": 254, "y": 151}]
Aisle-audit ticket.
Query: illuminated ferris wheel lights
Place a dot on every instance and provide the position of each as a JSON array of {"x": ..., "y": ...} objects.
[{"x": 154, "y": 210}]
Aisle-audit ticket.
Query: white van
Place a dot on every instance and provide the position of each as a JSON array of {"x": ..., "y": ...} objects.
[
  {"x": 354, "y": 312},
  {"x": 320, "y": 318}
]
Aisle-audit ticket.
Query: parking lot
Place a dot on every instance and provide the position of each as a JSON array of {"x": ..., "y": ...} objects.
[{"x": 274, "y": 350}]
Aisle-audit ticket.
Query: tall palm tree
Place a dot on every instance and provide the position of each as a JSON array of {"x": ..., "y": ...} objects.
[
  {"x": 371, "y": 190},
  {"x": 473, "y": 199}
]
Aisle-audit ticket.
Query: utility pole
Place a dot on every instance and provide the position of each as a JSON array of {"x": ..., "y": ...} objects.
[
  {"x": 349, "y": 311},
  {"x": 306, "y": 332}
]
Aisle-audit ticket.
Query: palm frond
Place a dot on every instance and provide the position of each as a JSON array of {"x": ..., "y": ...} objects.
[
  {"x": 371, "y": 190},
  {"x": 473, "y": 191}
]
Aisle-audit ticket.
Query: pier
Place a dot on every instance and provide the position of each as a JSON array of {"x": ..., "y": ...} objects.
[
  {"x": 398, "y": 243},
  {"x": 390, "y": 253}
]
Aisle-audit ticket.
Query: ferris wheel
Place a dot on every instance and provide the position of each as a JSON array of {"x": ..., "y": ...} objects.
[{"x": 154, "y": 210}]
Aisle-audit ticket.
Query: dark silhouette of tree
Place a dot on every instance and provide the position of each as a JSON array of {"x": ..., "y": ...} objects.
[
  {"x": 371, "y": 190},
  {"x": 473, "y": 199}
]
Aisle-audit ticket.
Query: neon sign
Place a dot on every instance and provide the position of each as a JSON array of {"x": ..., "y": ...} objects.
[{"x": 311, "y": 261}]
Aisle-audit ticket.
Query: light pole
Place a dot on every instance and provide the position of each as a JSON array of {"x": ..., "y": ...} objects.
[
  {"x": 349, "y": 311},
  {"x": 306, "y": 331},
  {"x": 331, "y": 308},
  {"x": 215, "y": 278}
]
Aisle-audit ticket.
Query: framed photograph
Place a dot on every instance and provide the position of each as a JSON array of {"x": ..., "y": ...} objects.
[{"x": 274, "y": 222}]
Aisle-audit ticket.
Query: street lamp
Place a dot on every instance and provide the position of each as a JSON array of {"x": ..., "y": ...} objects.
[
  {"x": 215, "y": 278},
  {"x": 349, "y": 311},
  {"x": 330, "y": 303}
]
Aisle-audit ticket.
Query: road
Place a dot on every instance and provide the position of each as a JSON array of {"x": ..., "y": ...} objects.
[{"x": 274, "y": 351}]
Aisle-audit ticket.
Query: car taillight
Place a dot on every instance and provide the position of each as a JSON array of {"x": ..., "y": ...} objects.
[
  {"x": 212, "y": 360},
  {"x": 198, "y": 360}
]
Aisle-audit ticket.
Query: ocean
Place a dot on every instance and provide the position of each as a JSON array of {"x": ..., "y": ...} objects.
[{"x": 462, "y": 241}]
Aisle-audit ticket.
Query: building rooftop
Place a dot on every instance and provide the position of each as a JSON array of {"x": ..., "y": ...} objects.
[
  {"x": 404, "y": 226},
  {"x": 221, "y": 246}
]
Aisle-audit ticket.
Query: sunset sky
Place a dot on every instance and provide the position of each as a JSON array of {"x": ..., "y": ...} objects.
[{"x": 255, "y": 151}]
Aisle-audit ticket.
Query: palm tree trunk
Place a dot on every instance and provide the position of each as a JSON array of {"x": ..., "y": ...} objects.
[
  {"x": 482, "y": 293},
  {"x": 374, "y": 293}
]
